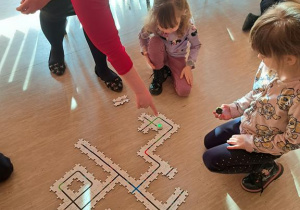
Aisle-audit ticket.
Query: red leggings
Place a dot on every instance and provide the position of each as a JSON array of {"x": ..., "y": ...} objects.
[{"x": 159, "y": 57}]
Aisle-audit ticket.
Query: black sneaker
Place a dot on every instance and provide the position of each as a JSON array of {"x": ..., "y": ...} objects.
[
  {"x": 258, "y": 181},
  {"x": 159, "y": 76},
  {"x": 249, "y": 21}
]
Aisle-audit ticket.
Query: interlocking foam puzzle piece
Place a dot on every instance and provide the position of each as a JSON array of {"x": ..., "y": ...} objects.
[
  {"x": 75, "y": 200},
  {"x": 120, "y": 100},
  {"x": 98, "y": 190}
]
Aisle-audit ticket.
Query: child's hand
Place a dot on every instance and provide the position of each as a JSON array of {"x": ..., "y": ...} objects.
[
  {"x": 148, "y": 60},
  {"x": 236, "y": 142},
  {"x": 226, "y": 114},
  {"x": 187, "y": 73}
]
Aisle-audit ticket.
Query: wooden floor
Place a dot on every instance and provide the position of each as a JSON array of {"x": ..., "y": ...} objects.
[{"x": 42, "y": 116}]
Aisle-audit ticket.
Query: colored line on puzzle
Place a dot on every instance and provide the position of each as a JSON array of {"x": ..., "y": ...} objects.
[
  {"x": 136, "y": 188},
  {"x": 73, "y": 201},
  {"x": 152, "y": 122},
  {"x": 169, "y": 171},
  {"x": 120, "y": 176},
  {"x": 94, "y": 196},
  {"x": 142, "y": 195},
  {"x": 176, "y": 199}
]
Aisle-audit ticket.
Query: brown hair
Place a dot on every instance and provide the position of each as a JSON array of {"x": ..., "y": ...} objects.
[
  {"x": 277, "y": 32},
  {"x": 165, "y": 12}
]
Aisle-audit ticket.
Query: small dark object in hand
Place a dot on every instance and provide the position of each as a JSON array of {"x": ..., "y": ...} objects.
[{"x": 219, "y": 110}]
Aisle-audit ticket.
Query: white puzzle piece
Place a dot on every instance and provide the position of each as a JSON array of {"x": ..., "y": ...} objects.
[
  {"x": 97, "y": 190},
  {"x": 120, "y": 100}
]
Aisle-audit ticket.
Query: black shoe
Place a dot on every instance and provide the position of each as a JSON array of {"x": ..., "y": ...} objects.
[
  {"x": 115, "y": 84},
  {"x": 258, "y": 181},
  {"x": 56, "y": 63},
  {"x": 167, "y": 72},
  {"x": 159, "y": 76},
  {"x": 249, "y": 21},
  {"x": 112, "y": 80}
]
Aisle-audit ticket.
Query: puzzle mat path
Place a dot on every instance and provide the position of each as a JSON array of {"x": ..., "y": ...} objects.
[{"x": 92, "y": 190}]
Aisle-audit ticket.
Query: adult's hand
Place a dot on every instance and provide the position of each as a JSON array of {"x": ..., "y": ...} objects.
[
  {"x": 144, "y": 100},
  {"x": 31, "y": 6},
  {"x": 143, "y": 96}
]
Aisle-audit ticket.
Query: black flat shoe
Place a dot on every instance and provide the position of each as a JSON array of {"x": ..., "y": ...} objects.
[
  {"x": 57, "y": 68},
  {"x": 115, "y": 84}
]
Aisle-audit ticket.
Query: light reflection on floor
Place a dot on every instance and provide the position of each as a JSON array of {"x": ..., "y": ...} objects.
[
  {"x": 29, "y": 71},
  {"x": 296, "y": 173},
  {"x": 230, "y": 203},
  {"x": 86, "y": 198},
  {"x": 73, "y": 103},
  {"x": 21, "y": 23},
  {"x": 113, "y": 11},
  {"x": 18, "y": 57},
  {"x": 3, "y": 59},
  {"x": 230, "y": 34},
  {"x": 296, "y": 181},
  {"x": 9, "y": 27}
]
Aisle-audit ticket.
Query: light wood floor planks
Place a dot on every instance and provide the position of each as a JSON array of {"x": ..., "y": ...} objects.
[{"x": 42, "y": 116}]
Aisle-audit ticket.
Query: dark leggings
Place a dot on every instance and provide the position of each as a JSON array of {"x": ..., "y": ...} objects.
[
  {"x": 217, "y": 158},
  {"x": 53, "y": 23},
  {"x": 6, "y": 168}
]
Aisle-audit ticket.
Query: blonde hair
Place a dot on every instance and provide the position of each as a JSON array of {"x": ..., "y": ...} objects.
[
  {"x": 166, "y": 12},
  {"x": 277, "y": 32}
]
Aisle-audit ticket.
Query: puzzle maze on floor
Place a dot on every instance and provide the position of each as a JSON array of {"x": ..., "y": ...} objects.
[{"x": 93, "y": 190}]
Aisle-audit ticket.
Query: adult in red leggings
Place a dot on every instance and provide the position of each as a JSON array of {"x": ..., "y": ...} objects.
[
  {"x": 53, "y": 17},
  {"x": 97, "y": 21}
]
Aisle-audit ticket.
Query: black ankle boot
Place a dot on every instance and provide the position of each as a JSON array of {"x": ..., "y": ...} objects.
[{"x": 159, "y": 77}]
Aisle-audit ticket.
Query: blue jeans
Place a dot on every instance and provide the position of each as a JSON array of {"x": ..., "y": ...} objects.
[{"x": 217, "y": 158}]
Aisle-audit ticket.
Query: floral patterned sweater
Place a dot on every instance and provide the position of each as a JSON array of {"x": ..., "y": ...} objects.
[{"x": 270, "y": 114}]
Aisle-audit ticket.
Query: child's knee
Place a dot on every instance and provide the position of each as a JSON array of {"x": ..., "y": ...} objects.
[
  {"x": 156, "y": 43},
  {"x": 183, "y": 91},
  {"x": 6, "y": 168},
  {"x": 209, "y": 163},
  {"x": 207, "y": 140}
]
